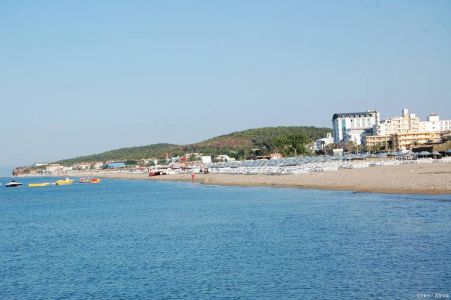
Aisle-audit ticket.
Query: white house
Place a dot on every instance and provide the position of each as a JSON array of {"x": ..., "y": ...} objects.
[{"x": 320, "y": 144}]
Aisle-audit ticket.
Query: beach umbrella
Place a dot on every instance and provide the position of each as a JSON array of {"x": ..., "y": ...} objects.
[
  {"x": 436, "y": 153},
  {"x": 424, "y": 153}
]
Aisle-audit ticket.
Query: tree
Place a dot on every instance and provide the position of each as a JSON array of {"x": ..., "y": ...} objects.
[
  {"x": 130, "y": 162},
  {"x": 291, "y": 145},
  {"x": 162, "y": 162}
]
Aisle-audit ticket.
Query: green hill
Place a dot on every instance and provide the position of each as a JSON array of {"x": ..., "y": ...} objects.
[{"x": 237, "y": 144}]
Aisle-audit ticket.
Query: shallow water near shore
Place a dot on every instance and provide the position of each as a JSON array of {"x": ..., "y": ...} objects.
[{"x": 147, "y": 239}]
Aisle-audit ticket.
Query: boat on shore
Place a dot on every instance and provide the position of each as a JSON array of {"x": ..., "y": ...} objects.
[
  {"x": 13, "y": 183},
  {"x": 66, "y": 181},
  {"x": 40, "y": 184}
]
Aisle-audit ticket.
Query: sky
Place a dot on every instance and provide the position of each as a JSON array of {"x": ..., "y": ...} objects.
[{"x": 81, "y": 77}]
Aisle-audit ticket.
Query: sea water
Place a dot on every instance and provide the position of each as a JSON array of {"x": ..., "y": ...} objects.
[{"x": 127, "y": 239}]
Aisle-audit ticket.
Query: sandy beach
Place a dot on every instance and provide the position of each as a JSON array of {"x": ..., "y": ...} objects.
[{"x": 430, "y": 178}]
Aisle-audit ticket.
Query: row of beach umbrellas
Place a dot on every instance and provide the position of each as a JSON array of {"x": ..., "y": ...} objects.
[{"x": 295, "y": 161}]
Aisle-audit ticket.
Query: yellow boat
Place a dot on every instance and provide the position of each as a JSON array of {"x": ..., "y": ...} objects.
[
  {"x": 38, "y": 184},
  {"x": 66, "y": 181}
]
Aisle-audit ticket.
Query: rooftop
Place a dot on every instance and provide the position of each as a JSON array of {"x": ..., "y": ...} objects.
[{"x": 352, "y": 115}]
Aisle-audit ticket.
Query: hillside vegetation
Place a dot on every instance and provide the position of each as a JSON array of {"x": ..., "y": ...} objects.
[{"x": 237, "y": 144}]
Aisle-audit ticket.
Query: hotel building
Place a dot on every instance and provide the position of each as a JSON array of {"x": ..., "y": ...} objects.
[
  {"x": 353, "y": 127},
  {"x": 434, "y": 124},
  {"x": 406, "y": 131},
  {"x": 403, "y": 124}
]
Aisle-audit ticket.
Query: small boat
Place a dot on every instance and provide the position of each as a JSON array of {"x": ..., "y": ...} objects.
[
  {"x": 66, "y": 181},
  {"x": 84, "y": 180},
  {"x": 89, "y": 180},
  {"x": 13, "y": 183},
  {"x": 38, "y": 184},
  {"x": 95, "y": 180}
]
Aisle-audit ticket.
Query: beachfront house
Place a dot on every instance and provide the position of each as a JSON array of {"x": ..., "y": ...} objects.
[{"x": 320, "y": 144}]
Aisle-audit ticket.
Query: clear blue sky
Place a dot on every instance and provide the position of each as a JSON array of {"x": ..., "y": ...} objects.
[{"x": 79, "y": 77}]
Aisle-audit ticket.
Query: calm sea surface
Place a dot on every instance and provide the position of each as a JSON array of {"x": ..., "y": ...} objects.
[{"x": 140, "y": 239}]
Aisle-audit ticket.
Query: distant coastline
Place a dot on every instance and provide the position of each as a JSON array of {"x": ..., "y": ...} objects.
[{"x": 427, "y": 178}]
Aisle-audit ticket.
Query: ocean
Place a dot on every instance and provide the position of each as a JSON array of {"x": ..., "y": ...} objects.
[{"x": 125, "y": 239}]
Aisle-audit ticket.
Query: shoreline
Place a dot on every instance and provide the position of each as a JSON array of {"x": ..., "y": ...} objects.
[{"x": 427, "y": 179}]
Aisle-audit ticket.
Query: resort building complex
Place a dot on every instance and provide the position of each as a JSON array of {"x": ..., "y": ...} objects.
[{"x": 400, "y": 132}]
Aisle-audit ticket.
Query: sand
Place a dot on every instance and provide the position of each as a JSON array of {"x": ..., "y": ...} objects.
[{"x": 430, "y": 178}]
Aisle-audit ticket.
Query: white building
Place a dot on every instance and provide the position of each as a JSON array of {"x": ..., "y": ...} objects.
[
  {"x": 224, "y": 158},
  {"x": 82, "y": 166},
  {"x": 54, "y": 168},
  {"x": 320, "y": 144},
  {"x": 434, "y": 124},
  {"x": 97, "y": 165},
  {"x": 352, "y": 127},
  {"x": 206, "y": 159}
]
